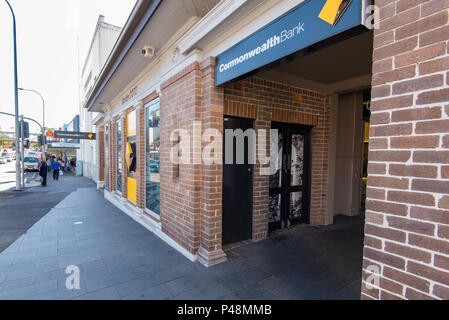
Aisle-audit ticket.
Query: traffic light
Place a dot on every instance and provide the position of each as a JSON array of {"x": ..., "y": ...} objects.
[
  {"x": 25, "y": 128},
  {"x": 41, "y": 140}
]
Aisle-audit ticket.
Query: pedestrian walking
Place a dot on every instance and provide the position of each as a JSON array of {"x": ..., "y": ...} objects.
[
  {"x": 63, "y": 165},
  {"x": 43, "y": 172},
  {"x": 56, "y": 166},
  {"x": 48, "y": 164}
]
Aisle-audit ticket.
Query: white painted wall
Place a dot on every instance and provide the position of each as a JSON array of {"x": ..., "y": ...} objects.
[{"x": 103, "y": 40}]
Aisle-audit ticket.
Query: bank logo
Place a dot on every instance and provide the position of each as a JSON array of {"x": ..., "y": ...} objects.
[{"x": 333, "y": 10}]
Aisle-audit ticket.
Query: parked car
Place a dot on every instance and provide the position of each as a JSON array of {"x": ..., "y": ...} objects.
[
  {"x": 31, "y": 163},
  {"x": 3, "y": 160},
  {"x": 8, "y": 158}
]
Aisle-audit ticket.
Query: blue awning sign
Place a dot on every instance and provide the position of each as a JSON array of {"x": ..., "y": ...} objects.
[{"x": 309, "y": 23}]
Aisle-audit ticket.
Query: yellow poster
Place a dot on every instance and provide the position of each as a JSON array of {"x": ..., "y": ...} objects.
[{"x": 131, "y": 155}]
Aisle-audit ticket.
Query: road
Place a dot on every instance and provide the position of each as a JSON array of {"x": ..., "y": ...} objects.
[{"x": 8, "y": 176}]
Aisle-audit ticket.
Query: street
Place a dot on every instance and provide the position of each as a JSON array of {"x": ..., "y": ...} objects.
[{"x": 8, "y": 176}]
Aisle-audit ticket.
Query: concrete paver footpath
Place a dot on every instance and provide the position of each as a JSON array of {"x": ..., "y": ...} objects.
[
  {"x": 119, "y": 259},
  {"x": 21, "y": 210}
]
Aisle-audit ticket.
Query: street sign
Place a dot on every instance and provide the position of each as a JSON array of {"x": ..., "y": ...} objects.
[
  {"x": 63, "y": 145},
  {"x": 74, "y": 135},
  {"x": 49, "y": 134}
]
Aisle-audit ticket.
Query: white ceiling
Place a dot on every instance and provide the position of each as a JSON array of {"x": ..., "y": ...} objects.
[{"x": 345, "y": 60}]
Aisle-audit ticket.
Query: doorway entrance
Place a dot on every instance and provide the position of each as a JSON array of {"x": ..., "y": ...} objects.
[
  {"x": 237, "y": 203},
  {"x": 290, "y": 175}
]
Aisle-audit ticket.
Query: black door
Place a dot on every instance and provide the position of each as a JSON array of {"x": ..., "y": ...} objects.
[
  {"x": 290, "y": 176},
  {"x": 237, "y": 185}
]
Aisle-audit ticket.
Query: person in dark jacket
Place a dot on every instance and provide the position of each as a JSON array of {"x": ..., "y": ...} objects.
[
  {"x": 43, "y": 171},
  {"x": 56, "y": 166}
]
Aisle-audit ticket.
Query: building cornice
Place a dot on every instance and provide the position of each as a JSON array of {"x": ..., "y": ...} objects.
[{"x": 209, "y": 22}]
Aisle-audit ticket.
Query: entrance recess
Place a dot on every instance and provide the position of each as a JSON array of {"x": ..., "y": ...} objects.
[
  {"x": 290, "y": 178},
  {"x": 237, "y": 201}
]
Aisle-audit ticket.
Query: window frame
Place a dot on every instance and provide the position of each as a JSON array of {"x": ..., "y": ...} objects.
[{"x": 146, "y": 106}]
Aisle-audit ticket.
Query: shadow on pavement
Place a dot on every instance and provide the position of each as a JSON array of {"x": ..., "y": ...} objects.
[{"x": 19, "y": 211}]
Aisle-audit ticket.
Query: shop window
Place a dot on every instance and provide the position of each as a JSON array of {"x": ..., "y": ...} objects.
[
  {"x": 106, "y": 156},
  {"x": 119, "y": 155},
  {"x": 152, "y": 150}
]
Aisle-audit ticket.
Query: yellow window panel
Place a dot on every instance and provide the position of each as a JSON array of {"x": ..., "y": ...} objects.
[
  {"x": 131, "y": 121},
  {"x": 132, "y": 190}
]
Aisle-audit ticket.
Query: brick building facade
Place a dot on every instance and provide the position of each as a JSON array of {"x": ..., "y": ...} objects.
[
  {"x": 407, "y": 213},
  {"x": 392, "y": 80}
]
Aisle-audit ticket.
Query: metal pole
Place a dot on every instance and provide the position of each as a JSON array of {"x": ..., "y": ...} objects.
[
  {"x": 16, "y": 98},
  {"x": 10, "y": 114},
  {"x": 22, "y": 171},
  {"x": 43, "y": 114}
]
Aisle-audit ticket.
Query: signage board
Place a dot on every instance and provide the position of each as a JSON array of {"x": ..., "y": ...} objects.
[
  {"x": 307, "y": 24},
  {"x": 64, "y": 145},
  {"x": 74, "y": 135}
]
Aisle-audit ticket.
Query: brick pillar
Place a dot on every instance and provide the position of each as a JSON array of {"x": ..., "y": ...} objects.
[
  {"x": 180, "y": 109},
  {"x": 113, "y": 157},
  {"x": 140, "y": 114},
  {"x": 211, "y": 252},
  {"x": 261, "y": 180},
  {"x": 108, "y": 187},
  {"x": 101, "y": 167},
  {"x": 407, "y": 217},
  {"x": 319, "y": 166},
  {"x": 124, "y": 166}
]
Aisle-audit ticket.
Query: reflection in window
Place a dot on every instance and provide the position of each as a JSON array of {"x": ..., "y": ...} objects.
[
  {"x": 297, "y": 163},
  {"x": 131, "y": 146},
  {"x": 276, "y": 150},
  {"x": 274, "y": 214},
  {"x": 295, "y": 205},
  {"x": 119, "y": 155},
  {"x": 152, "y": 119}
]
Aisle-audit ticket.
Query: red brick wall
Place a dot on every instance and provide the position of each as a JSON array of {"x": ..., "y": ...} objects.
[
  {"x": 407, "y": 217},
  {"x": 180, "y": 196},
  {"x": 124, "y": 166},
  {"x": 211, "y": 252},
  {"x": 108, "y": 187},
  {"x": 113, "y": 157},
  {"x": 101, "y": 167},
  {"x": 271, "y": 98},
  {"x": 141, "y": 152}
]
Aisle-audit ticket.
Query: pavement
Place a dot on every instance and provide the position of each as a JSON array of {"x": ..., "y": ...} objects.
[
  {"x": 20, "y": 210},
  {"x": 119, "y": 259}
]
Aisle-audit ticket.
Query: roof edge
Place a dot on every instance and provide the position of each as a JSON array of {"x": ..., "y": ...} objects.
[{"x": 138, "y": 19}]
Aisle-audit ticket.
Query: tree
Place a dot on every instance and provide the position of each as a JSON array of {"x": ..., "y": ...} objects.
[{"x": 4, "y": 139}]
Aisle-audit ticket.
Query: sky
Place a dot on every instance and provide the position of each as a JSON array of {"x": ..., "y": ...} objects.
[{"x": 53, "y": 37}]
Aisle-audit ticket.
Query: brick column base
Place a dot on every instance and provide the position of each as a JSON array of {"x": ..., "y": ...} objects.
[{"x": 211, "y": 258}]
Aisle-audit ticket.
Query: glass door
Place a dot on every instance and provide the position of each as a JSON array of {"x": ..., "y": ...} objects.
[{"x": 289, "y": 179}]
